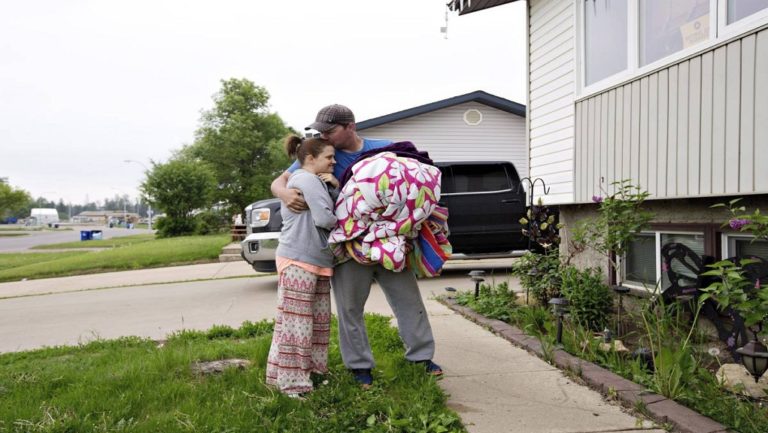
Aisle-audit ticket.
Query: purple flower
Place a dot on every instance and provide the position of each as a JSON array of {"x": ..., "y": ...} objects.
[
  {"x": 737, "y": 224},
  {"x": 731, "y": 341},
  {"x": 597, "y": 199}
]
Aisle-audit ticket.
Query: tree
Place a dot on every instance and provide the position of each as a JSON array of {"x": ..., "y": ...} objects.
[
  {"x": 12, "y": 200},
  {"x": 242, "y": 143},
  {"x": 178, "y": 187}
]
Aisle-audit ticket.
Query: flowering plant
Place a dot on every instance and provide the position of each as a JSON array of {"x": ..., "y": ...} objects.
[
  {"x": 620, "y": 218},
  {"x": 732, "y": 287},
  {"x": 755, "y": 223}
]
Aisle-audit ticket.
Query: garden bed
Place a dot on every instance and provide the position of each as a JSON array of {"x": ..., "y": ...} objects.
[{"x": 701, "y": 404}]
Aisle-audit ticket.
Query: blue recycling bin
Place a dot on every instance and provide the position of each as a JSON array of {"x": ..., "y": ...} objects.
[{"x": 86, "y": 235}]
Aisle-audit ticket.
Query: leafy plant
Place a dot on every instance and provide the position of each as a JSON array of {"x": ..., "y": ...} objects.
[
  {"x": 673, "y": 361},
  {"x": 588, "y": 297},
  {"x": 732, "y": 288},
  {"x": 620, "y": 218},
  {"x": 539, "y": 274},
  {"x": 496, "y": 302}
]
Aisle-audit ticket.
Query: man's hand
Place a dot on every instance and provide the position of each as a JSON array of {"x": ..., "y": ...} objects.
[
  {"x": 291, "y": 197},
  {"x": 294, "y": 200},
  {"x": 329, "y": 179}
]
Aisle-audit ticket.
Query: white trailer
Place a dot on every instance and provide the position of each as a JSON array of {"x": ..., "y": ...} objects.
[{"x": 44, "y": 216}]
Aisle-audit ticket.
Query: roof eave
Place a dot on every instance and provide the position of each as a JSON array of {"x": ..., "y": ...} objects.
[{"x": 476, "y": 96}]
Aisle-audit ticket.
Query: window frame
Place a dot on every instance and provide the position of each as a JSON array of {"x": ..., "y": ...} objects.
[
  {"x": 719, "y": 32},
  {"x": 688, "y": 229},
  {"x": 726, "y": 243}
]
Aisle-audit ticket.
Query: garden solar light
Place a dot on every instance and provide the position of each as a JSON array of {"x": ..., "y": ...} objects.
[
  {"x": 559, "y": 307},
  {"x": 477, "y": 277},
  {"x": 451, "y": 291},
  {"x": 754, "y": 356}
]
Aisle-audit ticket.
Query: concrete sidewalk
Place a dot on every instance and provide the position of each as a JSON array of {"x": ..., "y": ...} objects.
[
  {"x": 494, "y": 386},
  {"x": 207, "y": 271}
]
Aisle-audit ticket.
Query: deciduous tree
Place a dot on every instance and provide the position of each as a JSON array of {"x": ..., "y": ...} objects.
[
  {"x": 241, "y": 141},
  {"x": 179, "y": 187},
  {"x": 12, "y": 200}
]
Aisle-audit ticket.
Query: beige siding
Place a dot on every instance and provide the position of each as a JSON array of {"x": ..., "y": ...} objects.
[
  {"x": 444, "y": 134},
  {"x": 551, "y": 96},
  {"x": 696, "y": 128}
]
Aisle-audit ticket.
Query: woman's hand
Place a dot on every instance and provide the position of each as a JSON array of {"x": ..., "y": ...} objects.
[{"x": 329, "y": 179}]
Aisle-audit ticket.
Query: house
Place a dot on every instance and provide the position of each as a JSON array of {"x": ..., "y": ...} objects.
[
  {"x": 104, "y": 217},
  {"x": 476, "y": 126},
  {"x": 670, "y": 94}
]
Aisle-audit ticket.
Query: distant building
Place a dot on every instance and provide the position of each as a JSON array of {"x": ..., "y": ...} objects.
[{"x": 104, "y": 217}]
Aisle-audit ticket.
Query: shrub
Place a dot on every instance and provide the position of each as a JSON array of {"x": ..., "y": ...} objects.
[
  {"x": 540, "y": 275},
  {"x": 211, "y": 222},
  {"x": 589, "y": 298},
  {"x": 171, "y": 227}
]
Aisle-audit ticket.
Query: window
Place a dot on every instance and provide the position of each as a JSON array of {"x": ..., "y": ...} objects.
[
  {"x": 667, "y": 27},
  {"x": 744, "y": 246},
  {"x": 693, "y": 241},
  {"x": 642, "y": 263},
  {"x": 739, "y": 9},
  {"x": 479, "y": 178},
  {"x": 621, "y": 39},
  {"x": 605, "y": 34}
]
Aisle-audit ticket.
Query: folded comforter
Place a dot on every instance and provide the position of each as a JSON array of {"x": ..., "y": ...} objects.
[{"x": 388, "y": 213}]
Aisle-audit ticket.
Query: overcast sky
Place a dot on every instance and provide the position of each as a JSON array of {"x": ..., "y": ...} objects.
[{"x": 86, "y": 85}]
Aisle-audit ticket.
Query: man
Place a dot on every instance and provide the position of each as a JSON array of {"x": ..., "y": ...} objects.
[{"x": 351, "y": 281}]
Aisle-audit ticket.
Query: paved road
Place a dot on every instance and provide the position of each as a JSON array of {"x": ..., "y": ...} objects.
[
  {"x": 156, "y": 310},
  {"x": 43, "y": 237}
]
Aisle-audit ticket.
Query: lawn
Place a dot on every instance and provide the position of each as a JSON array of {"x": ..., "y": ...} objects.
[
  {"x": 137, "y": 385},
  {"x": 15, "y": 260},
  {"x": 100, "y": 243},
  {"x": 145, "y": 253}
]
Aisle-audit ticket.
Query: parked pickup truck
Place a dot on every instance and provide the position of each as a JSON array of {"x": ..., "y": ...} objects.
[{"x": 484, "y": 201}]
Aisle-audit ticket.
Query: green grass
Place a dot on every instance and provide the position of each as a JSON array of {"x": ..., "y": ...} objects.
[
  {"x": 101, "y": 243},
  {"x": 145, "y": 254},
  {"x": 132, "y": 385},
  {"x": 12, "y": 234},
  {"x": 14, "y": 260}
]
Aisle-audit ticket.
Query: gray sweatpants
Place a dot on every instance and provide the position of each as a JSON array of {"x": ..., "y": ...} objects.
[{"x": 351, "y": 284}]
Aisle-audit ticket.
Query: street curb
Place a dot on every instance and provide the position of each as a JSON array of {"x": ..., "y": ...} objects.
[{"x": 630, "y": 394}]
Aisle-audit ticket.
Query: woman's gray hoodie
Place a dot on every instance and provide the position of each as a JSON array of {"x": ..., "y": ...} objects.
[{"x": 304, "y": 236}]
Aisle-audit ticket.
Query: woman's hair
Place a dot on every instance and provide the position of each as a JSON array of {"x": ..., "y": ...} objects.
[{"x": 299, "y": 148}]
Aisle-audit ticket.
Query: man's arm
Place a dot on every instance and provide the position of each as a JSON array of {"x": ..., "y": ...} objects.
[{"x": 290, "y": 196}]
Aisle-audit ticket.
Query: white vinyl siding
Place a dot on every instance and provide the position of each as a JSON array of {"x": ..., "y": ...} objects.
[
  {"x": 696, "y": 128},
  {"x": 444, "y": 134},
  {"x": 551, "y": 97}
]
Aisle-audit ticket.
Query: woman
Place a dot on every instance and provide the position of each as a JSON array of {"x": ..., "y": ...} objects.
[{"x": 304, "y": 265}]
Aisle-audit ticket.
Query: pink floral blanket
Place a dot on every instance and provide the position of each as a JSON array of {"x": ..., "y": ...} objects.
[{"x": 382, "y": 208}]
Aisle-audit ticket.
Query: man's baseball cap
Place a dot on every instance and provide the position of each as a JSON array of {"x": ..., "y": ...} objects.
[{"x": 330, "y": 116}]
